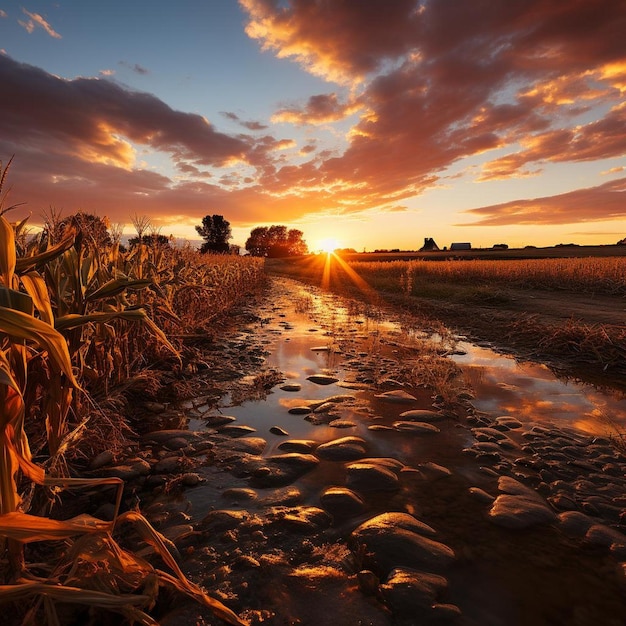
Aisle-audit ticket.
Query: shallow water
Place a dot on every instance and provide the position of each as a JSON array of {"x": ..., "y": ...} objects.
[
  {"x": 500, "y": 384},
  {"x": 534, "y": 576}
]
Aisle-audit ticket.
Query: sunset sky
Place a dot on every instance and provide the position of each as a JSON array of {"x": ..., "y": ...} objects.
[{"x": 374, "y": 122}]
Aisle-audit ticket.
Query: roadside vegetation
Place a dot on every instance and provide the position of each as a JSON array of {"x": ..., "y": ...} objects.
[{"x": 86, "y": 328}]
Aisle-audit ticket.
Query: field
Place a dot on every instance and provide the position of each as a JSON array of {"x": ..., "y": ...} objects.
[
  {"x": 86, "y": 330},
  {"x": 568, "y": 312}
]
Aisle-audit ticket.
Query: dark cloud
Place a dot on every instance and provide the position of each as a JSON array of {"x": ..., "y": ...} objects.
[
  {"x": 249, "y": 125},
  {"x": 95, "y": 119},
  {"x": 319, "y": 109},
  {"x": 454, "y": 79},
  {"x": 135, "y": 67},
  {"x": 432, "y": 83}
]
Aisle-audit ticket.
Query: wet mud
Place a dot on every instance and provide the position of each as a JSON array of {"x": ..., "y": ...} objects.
[{"x": 332, "y": 485}]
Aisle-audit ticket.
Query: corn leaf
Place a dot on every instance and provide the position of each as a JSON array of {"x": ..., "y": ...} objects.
[
  {"x": 22, "y": 326},
  {"x": 180, "y": 582},
  {"x": 28, "y": 528},
  {"x": 36, "y": 287},
  {"x": 7, "y": 252},
  {"x": 25, "y": 264},
  {"x": 117, "y": 286}
]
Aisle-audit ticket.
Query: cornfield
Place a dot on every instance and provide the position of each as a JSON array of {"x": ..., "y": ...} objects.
[
  {"x": 80, "y": 317},
  {"x": 594, "y": 275}
]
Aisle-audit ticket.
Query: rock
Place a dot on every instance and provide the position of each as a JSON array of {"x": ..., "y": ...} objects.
[
  {"x": 342, "y": 502},
  {"x": 283, "y": 469},
  {"x": 304, "y": 519},
  {"x": 393, "y": 540},
  {"x": 102, "y": 459},
  {"x": 371, "y": 477},
  {"x": 299, "y": 410},
  {"x": 226, "y": 519},
  {"x": 191, "y": 479},
  {"x": 287, "y": 496},
  {"x": 277, "y": 430},
  {"x": 412, "y": 593},
  {"x": 575, "y": 523},
  {"x": 247, "y": 445},
  {"x": 481, "y": 495},
  {"x": 161, "y": 437},
  {"x": 131, "y": 470},
  {"x": 434, "y": 471},
  {"x": 291, "y": 387},
  {"x": 240, "y": 494},
  {"x": 322, "y": 379},
  {"x": 509, "y": 422},
  {"x": 422, "y": 415},
  {"x": 343, "y": 449},
  {"x": 397, "y": 395},
  {"x": 520, "y": 512},
  {"x": 601, "y": 535},
  {"x": 298, "y": 445},
  {"x": 215, "y": 421},
  {"x": 368, "y": 582},
  {"x": 416, "y": 427},
  {"x": 236, "y": 430},
  {"x": 341, "y": 423},
  {"x": 169, "y": 465}
]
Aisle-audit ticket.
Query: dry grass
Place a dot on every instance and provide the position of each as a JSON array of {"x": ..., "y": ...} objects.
[{"x": 594, "y": 275}]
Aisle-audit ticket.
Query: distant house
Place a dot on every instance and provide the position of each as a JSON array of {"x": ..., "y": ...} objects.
[
  {"x": 461, "y": 246},
  {"x": 429, "y": 245},
  {"x": 500, "y": 246},
  {"x": 622, "y": 242}
]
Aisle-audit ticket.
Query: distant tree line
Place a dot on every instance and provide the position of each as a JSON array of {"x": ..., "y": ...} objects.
[{"x": 264, "y": 241}]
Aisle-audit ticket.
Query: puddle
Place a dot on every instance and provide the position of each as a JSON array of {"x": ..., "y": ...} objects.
[
  {"x": 536, "y": 575},
  {"x": 308, "y": 342},
  {"x": 532, "y": 393}
]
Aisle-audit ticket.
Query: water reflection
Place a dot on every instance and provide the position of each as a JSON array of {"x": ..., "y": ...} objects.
[{"x": 532, "y": 393}]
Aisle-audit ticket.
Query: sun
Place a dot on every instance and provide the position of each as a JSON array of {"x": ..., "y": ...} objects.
[{"x": 329, "y": 245}]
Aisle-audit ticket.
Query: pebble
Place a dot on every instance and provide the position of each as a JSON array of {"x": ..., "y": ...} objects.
[
  {"x": 298, "y": 445},
  {"x": 422, "y": 415},
  {"x": 342, "y": 502},
  {"x": 397, "y": 395},
  {"x": 342, "y": 449},
  {"x": 292, "y": 387},
  {"x": 322, "y": 379},
  {"x": 393, "y": 540},
  {"x": 277, "y": 430},
  {"x": 416, "y": 427},
  {"x": 371, "y": 477}
]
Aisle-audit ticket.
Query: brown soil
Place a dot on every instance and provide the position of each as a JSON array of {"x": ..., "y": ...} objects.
[{"x": 582, "y": 336}]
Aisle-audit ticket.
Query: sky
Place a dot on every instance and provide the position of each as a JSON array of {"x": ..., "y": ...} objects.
[{"x": 371, "y": 123}]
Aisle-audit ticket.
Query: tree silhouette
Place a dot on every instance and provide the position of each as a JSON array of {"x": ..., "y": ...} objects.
[
  {"x": 276, "y": 241},
  {"x": 152, "y": 240},
  {"x": 215, "y": 231}
]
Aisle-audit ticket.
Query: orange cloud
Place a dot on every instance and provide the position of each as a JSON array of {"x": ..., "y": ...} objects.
[
  {"x": 605, "y": 202},
  {"x": 320, "y": 109},
  {"x": 35, "y": 20},
  {"x": 434, "y": 83}
]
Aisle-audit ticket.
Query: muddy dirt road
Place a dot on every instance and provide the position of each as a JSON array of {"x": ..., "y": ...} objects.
[{"x": 323, "y": 483}]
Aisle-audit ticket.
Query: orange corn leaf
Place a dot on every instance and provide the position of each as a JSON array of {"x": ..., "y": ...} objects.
[
  {"x": 18, "y": 324},
  {"x": 28, "y": 528},
  {"x": 36, "y": 287},
  {"x": 7, "y": 251}
]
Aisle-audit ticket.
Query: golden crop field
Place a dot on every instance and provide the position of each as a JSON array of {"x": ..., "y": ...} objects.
[
  {"x": 81, "y": 318},
  {"x": 599, "y": 275}
]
